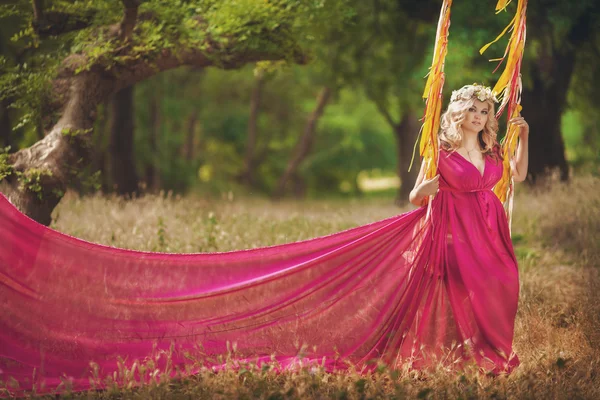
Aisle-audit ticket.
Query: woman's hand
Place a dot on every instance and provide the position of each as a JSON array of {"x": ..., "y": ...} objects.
[
  {"x": 423, "y": 187},
  {"x": 429, "y": 186},
  {"x": 523, "y": 126},
  {"x": 520, "y": 163}
]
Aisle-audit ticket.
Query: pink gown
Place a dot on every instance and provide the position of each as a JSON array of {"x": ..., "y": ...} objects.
[{"x": 403, "y": 290}]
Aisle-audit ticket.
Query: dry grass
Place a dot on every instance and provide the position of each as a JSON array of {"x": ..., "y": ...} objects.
[
  {"x": 190, "y": 224},
  {"x": 557, "y": 328}
]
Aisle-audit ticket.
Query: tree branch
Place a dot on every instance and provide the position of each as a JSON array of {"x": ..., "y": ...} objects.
[
  {"x": 102, "y": 79},
  {"x": 38, "y": 10},
  {"x": 129, "y": 19},
  {"x": 81, "y": 84}
]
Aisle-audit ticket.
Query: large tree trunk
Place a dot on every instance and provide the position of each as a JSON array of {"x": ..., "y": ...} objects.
[
  {"x": 250, "y": 159},
  {"x": 55, "y": 159},
  {"x": 543, "y": 106},
  {"x": 305, "y": 142},
  {"x": 545, "y": 92},
  {"x": 122, "y": 163},
  {"x": 406, "y": 133},
  {"x": 81, "y": 85}
]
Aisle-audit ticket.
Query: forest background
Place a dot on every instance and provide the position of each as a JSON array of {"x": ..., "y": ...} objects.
[
  {"x": 234, "y": 102},
  {"x": 297, "y": 98}
]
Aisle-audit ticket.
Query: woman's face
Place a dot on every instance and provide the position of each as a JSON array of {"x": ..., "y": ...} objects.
[{"x": 476, "y": 116}]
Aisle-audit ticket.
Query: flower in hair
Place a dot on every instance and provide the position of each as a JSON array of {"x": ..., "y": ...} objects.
[{"x": 482, "y": 93}]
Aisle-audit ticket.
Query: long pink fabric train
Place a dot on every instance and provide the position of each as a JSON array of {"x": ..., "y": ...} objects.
[{"x": 400, "y": 290}]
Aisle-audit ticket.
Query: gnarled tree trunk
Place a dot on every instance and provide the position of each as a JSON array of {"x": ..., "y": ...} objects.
[
  {"x": 548, "y": 80},
  {"x": 58, "y": 156},
  {"x": 82, "y": 84}
]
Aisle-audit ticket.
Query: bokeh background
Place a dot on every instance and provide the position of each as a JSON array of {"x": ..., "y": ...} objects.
[{"x": 341, "y": 124}]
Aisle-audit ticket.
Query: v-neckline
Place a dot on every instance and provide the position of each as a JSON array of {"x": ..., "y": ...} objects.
[{"x": 481, "y": 174}]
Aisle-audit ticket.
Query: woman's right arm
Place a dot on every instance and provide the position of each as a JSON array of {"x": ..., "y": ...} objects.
[{"x": 423, "y": 187}]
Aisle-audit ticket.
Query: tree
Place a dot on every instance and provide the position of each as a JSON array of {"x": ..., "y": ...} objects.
[
  {"x": 106, "y": 50},
  {"x": 393, "y": 40},
  {"x": 305, "y": 141},
  {"x": 561, "y": 35}
]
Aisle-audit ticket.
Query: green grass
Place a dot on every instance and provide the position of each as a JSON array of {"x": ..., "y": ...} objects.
[{"x": 557, "y": 331}]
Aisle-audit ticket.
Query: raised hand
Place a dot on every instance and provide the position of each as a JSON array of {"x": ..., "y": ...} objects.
[
  {"x": 520, "y": 163},
  {"x": 429, "y": 186},
  {"x": 523, "y": 126}
]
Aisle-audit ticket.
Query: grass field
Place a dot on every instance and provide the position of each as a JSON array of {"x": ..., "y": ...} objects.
[{"x": 557, "y": 241}]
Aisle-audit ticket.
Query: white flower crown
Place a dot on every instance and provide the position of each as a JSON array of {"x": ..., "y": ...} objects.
[{"x": 482, "y": 93}]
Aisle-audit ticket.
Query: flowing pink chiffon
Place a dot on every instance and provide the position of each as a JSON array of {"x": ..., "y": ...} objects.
[{"x": 406, "y": 290}]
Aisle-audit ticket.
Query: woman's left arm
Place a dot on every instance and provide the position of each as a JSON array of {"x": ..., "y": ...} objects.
[{"x": 521, "y": 161}]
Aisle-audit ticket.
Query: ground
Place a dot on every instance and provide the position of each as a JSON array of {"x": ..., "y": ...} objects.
[{"x": 557, "y": 332}]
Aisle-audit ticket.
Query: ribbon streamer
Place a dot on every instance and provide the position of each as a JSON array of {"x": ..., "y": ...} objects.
[
  {"x": 428, "y": 144},
  {"x": 509, "y": 87}
]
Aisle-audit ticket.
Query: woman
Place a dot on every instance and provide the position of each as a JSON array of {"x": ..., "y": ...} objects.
[
  {"x": 409, "y": 289},
  {"x": 480, "y": 269}
]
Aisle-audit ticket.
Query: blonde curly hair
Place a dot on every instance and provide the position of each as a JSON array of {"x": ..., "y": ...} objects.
[{"x": 450, "y": 133}]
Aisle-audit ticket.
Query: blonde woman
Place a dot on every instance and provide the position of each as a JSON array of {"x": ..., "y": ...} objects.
[
  {"x": 469, "y": 127},
  {"x": 476, "y": 260}
]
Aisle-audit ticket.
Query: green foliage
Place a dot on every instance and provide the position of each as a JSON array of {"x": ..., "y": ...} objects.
[
  {"x": 16, "y": 9},
  {"x": 211, "y": 226},
  {"x": 71, "y": 133},
  {"x": 90, "y": 182},
  {"x": 32, "y": 178},
  {"x": 345, "y": 146},
  {"x": 27, "y": 87},
  {"x": 161, "y": 234},
  {"x": 5, "y": 168},
  {"x": 219, "y": 28},
  {"x": 582, "y": 139}
]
